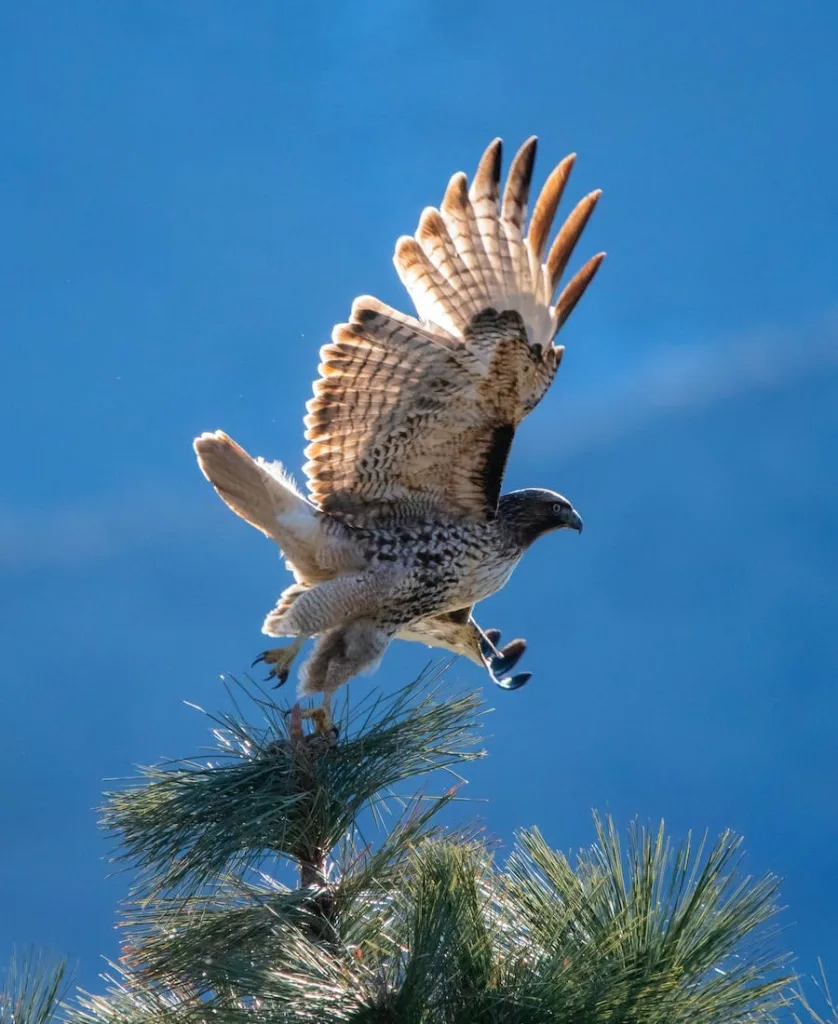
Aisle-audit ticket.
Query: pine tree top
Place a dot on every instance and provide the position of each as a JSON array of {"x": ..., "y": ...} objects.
[{"x": 281, "y": 881}]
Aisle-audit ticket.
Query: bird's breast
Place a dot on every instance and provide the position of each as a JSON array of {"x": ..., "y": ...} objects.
[
  {"x": 452, "y": 564},
  {"x": 485, "y": 576},
  {"x": 480, "y": 562}
]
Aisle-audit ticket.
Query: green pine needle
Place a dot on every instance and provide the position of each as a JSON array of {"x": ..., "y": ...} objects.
[
  {"x": 32, "y": 990},
  {"x": 183, "y": 825},
  {"x": 425, "y": 925},
  {"x": 645, "y": 933}
]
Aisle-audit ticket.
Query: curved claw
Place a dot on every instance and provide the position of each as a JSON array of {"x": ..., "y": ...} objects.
[
  {"x": 279, "y": 668},
  {"x": 509, "y": 657},
  {"x": 513, "y": 682}
]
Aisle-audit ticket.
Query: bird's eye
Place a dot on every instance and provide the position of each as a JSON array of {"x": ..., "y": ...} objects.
[{"x": 557, "y": 508}]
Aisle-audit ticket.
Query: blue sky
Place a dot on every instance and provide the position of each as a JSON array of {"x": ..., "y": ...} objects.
[{"x": 192, "y": 194}]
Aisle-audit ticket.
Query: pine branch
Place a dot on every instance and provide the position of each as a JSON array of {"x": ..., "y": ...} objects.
[
  {"x": 424, "y": 926},
  {"x": 648, "y": 934},
  {"x": 185, "y": 824},
  {"x": 209, "y": 939}
]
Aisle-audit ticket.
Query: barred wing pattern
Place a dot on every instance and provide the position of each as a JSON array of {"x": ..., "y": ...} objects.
[{"x": 412, "y": 417}]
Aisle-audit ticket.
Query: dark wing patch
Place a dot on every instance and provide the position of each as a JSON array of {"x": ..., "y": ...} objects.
[{"x": 495, "y": 464}]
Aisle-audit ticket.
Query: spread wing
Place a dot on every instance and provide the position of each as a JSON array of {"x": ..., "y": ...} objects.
[{"x": 412, "y": 416}]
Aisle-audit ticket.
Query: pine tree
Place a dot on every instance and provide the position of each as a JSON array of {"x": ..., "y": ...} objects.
[{"x": 286, "y": 881}]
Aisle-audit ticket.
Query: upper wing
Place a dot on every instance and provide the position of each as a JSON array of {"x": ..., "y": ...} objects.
[{"x": 413, "y": 415}]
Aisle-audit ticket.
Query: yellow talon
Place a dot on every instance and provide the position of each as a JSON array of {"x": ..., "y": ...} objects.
[
  {"x": 281, "y": 659},
  {"x": 322, "y": 718}
]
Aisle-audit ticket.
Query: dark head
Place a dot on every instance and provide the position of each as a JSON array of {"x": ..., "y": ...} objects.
[{"x": 533, "y": 511}]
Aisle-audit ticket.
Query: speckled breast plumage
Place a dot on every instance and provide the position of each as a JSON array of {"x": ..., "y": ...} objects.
[{"x": 449, "y": 565}]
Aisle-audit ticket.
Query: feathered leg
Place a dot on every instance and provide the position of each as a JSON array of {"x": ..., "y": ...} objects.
[
  {"x": 468, "y": 639},
  {"x": 304, "y": 611},
  {"x": 340, "y": 654},
  {"x": 333, "y": 603},
  {"x": 280, "y": 659},
  {"x": 459, "y": 632},
  {"x": 340, "y": 612}
]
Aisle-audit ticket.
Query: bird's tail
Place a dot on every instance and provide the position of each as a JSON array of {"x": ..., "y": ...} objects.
[
  {"x": 262, "y": 493},
  {"x": 472, "y": 252}
]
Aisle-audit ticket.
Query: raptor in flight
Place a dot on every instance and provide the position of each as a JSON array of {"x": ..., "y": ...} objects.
[{"x": 404, "y": 527}]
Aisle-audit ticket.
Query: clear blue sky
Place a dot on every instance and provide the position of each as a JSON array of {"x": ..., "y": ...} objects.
[{"x": 192, "y": 193}]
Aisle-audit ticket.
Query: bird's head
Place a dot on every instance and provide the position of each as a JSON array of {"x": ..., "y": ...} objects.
[{"x": 533, "y": 511}]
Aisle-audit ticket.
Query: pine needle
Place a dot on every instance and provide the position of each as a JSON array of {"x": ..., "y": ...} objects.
[
  {"x": 183, "y": 824},
  {"x": 32, "y": 989}
]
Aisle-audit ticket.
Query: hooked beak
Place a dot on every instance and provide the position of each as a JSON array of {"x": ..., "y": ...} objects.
[{"x": 572, "y": 520}]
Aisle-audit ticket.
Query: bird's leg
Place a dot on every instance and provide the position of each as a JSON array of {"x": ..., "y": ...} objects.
[
  {"x": 280, "y": 659},
  {"x": 507, "y": 657},
  {"x": 322, "y": 717},
  {"x": 461, "y": 635},
  {"x": 499, "y": 662},
  {"x": 489, "y": 639},
  {"x": 340, "y": 653},
  {"x": 324, "y": 727},
  {"x": 322, "y": 608}
]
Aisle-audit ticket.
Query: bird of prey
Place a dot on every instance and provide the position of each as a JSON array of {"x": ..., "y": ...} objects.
[{"x": 404, "y": 527}]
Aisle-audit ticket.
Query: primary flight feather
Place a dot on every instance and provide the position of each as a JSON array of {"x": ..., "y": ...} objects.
[{"x": 409, "y": 431}]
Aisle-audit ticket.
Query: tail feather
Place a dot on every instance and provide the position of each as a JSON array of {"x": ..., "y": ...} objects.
[
  {"x": 472, "y": 253},
  {"x": 258, "y": 491}
]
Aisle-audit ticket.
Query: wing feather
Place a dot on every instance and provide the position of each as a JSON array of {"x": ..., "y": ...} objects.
[
  {"x": 437, "y": 244},
  {"x": 457, "y": 212},
  {"x": 435, "y": 297},
  {"x": 547, "y": 204},
  {"x": 575, "y": 289},
  {"x": 514, "y": 215},
  {"x": 411, "y": 415},
  {"x": 483, "y": 195},
  {"x": 565, "y": 241}
]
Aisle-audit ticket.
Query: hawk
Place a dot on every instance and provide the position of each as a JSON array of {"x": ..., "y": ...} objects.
[{"x": 404, "y": 527}]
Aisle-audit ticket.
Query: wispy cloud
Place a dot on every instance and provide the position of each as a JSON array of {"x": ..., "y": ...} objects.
[
  {"x": 672, "y": 381},
  {"x": 93, "y": 530},
  {"x": 665, "y": 383}
]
